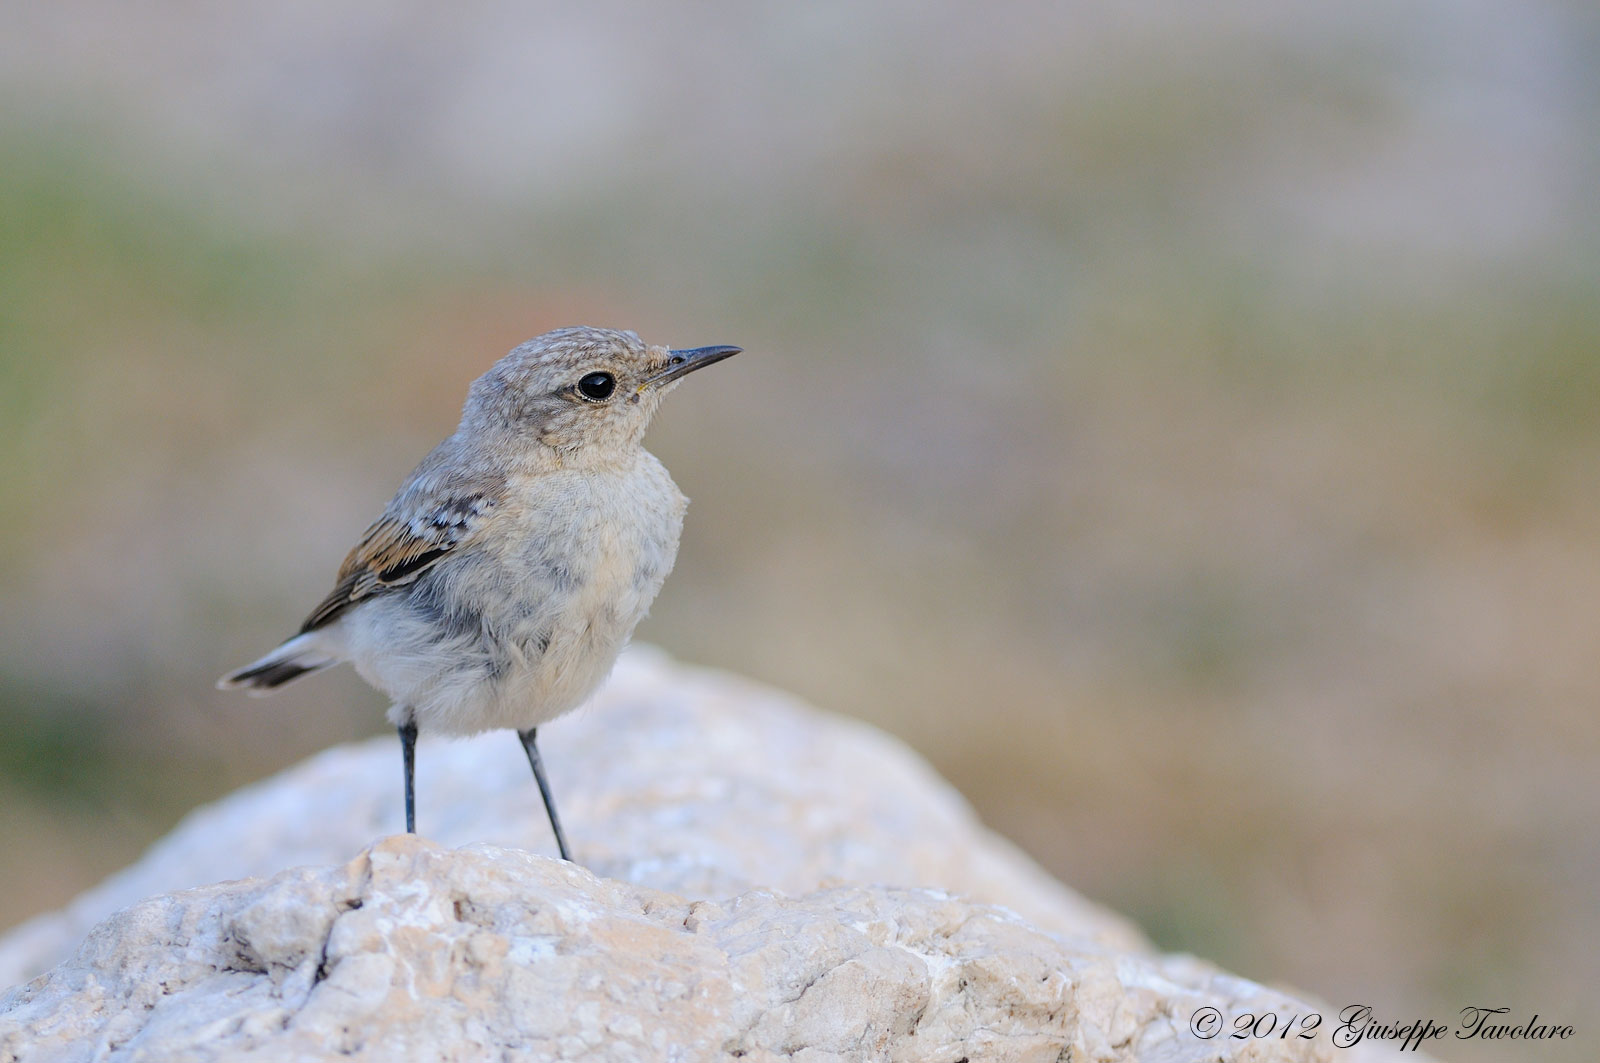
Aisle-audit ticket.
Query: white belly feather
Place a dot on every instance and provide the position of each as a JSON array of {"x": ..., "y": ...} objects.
[{"x": 589, "y": 551}]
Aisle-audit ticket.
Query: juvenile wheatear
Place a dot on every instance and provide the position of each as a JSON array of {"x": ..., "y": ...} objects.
[{"x": 510, "y": 569}]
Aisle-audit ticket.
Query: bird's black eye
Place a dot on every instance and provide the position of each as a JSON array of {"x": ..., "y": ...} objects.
[{"x": 597, "y": 386}]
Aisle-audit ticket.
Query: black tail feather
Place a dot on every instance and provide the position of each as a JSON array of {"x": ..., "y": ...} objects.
[{"x": 269, "y": 675}]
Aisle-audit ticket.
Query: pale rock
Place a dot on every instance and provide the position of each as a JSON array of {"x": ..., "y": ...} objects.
[
  {"x": 683, "y": 779},
  {"x": 764, "y": 882},
  {"x": 414, "y": 951}
]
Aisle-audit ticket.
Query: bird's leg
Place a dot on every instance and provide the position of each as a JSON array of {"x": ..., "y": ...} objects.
[
  {"x": 408, "y": 750},
  {"x": 529, "y": 743}
]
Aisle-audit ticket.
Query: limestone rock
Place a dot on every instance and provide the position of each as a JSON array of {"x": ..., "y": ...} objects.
[
  {"x": 761, "y": 882},
  {"x": 413, "y": 951},
  {"x": 682, "y": 779}
]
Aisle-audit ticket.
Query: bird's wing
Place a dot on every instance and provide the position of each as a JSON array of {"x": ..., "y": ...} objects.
[{"x": 419, "y": 527}]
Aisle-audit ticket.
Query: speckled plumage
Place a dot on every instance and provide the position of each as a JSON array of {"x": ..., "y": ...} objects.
[{"x": 511, "y": 567}]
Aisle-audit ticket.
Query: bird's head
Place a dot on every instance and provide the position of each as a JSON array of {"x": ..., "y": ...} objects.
[{"x": 586, "y": 392}]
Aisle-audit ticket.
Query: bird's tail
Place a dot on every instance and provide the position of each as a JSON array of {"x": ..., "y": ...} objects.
[{"x": 292, "y": 660}]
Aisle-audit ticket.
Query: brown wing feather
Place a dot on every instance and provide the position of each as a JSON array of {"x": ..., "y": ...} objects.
[{"x": 394, "y": 551}]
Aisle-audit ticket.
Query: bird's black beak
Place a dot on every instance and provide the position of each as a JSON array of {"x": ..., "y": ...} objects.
[{"x": 688, "y": 361}]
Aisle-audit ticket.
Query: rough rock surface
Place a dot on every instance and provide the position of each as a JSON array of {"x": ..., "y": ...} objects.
[
  {"x": 413, "y": 951},
  {"x": 690, "y": 796},
  {"x": 682, "y": 779}
]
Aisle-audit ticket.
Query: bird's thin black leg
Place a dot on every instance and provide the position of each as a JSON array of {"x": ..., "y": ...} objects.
[
  {"x": 408, "y": 750},
  {"x": 529, "y": 743}
]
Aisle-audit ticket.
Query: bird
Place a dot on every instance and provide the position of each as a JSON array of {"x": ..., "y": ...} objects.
[{"x": 511, "y": 567}]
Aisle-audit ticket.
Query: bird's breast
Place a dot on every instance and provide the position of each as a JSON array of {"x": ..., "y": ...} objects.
[
  {"x": 523, "y": 623},
  {"x": 594, "y": 551}
]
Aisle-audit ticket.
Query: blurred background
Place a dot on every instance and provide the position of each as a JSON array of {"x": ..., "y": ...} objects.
[{"x": 1179, "y": 422}]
